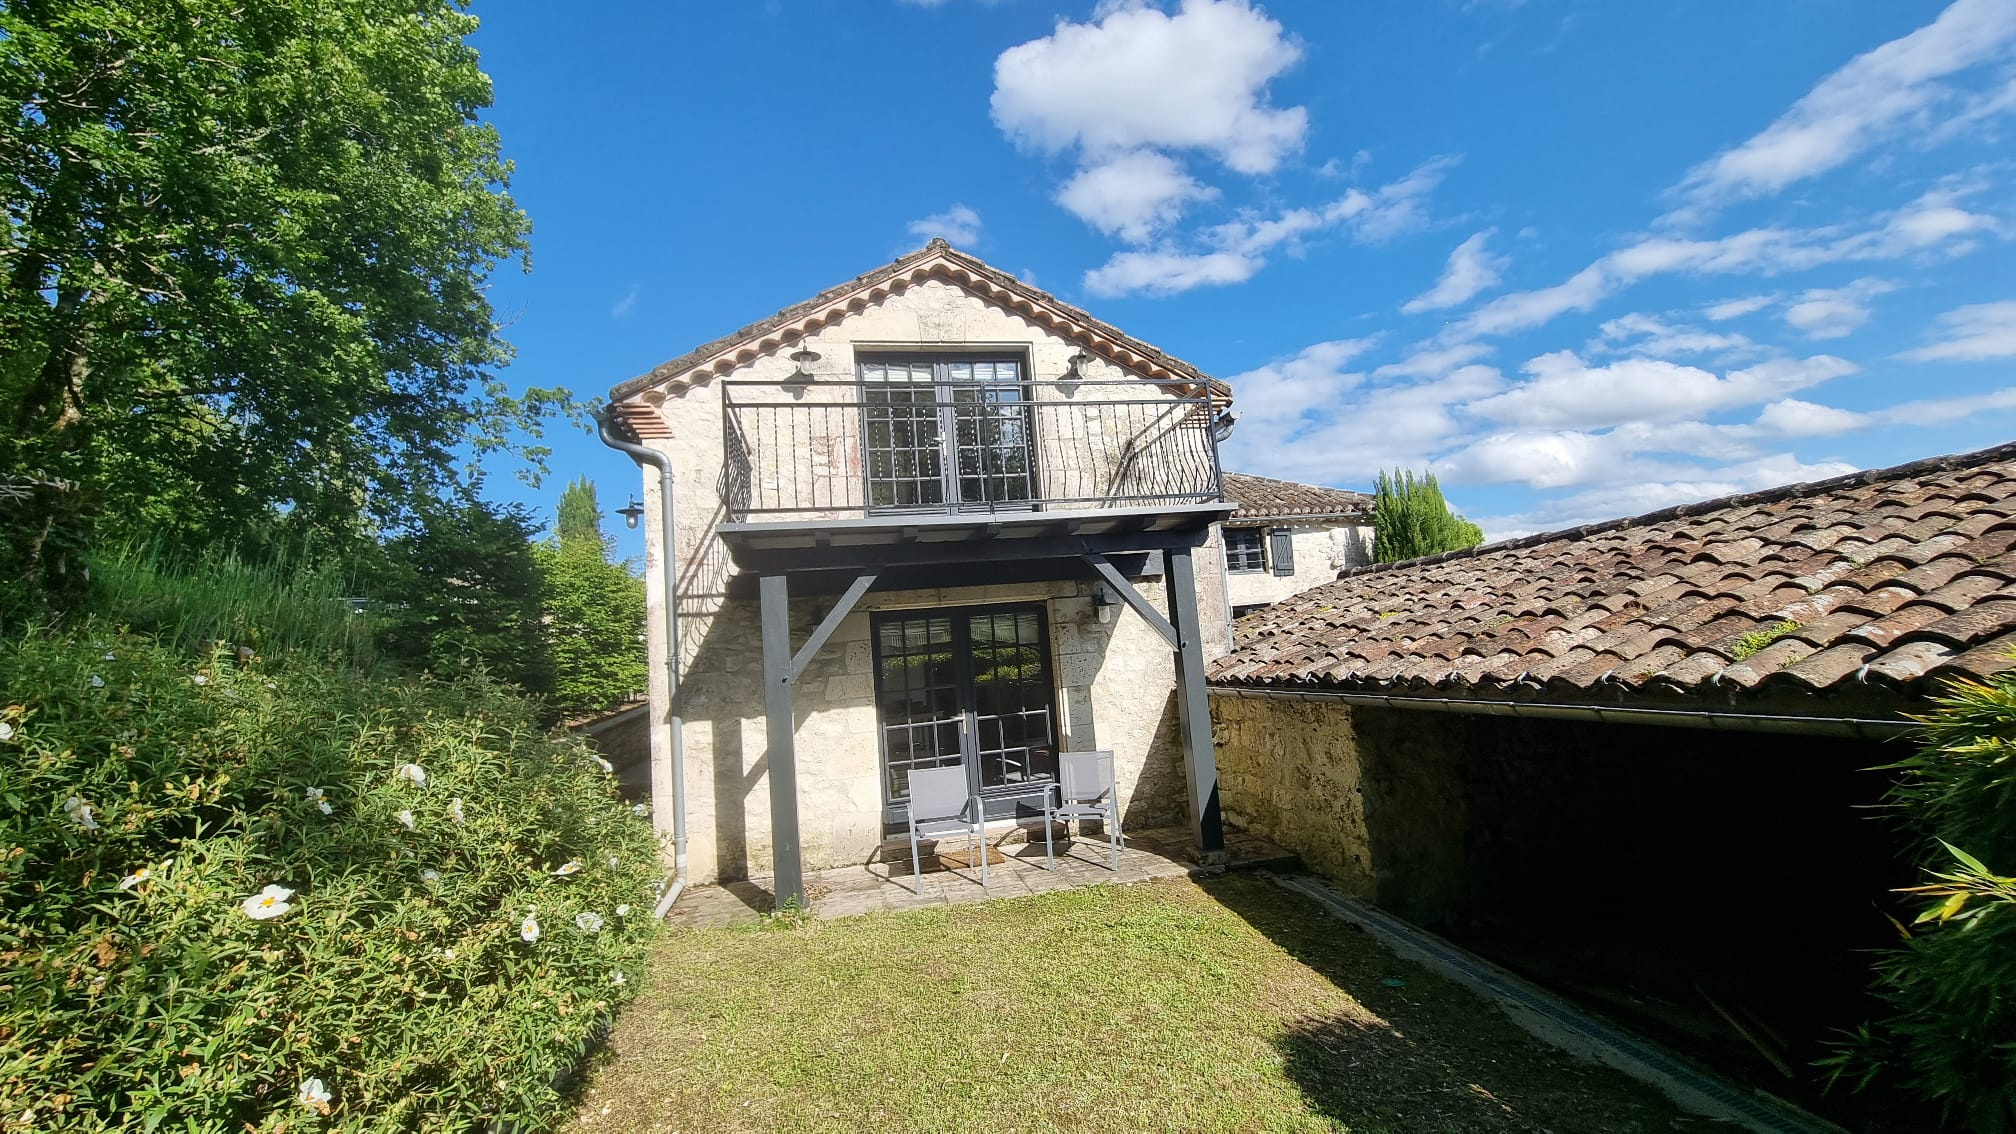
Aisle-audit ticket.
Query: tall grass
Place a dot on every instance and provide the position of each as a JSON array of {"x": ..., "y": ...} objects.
[{"x": 288, "y": 604}]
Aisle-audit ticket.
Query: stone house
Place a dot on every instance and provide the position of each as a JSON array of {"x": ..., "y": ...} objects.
[
  {"x": 1286, "y": 537},
  {"x": 1643, "y": 756},
  {"x": 931, "y": 516}
]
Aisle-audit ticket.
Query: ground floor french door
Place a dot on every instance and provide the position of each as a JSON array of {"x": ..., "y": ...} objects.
[{"x": 968, "y": 686}]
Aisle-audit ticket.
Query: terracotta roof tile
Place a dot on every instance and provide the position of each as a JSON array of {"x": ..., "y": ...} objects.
[
  {"x": 1891, "y": 578},
  {"x": 1261, "y": 497}
]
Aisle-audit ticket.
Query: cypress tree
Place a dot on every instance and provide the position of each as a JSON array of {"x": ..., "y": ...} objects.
[{"x": 1410, "y": 519}]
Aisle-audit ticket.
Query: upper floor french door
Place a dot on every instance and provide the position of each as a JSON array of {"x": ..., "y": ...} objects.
[{"x": 946, "y": 434}]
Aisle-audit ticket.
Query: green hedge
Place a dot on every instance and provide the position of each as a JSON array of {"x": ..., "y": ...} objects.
[{"x": 145, "y": 798}]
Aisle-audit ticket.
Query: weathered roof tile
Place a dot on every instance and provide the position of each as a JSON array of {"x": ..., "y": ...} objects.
[{"x": 1894, "y": 577}]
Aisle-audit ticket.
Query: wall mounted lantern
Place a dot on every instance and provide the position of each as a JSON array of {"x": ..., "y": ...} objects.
[
  {"x": 1221, "y": 426},
  {"x": 1103, "y": 602},
  {"x": 803, "y": 357},
  {"x": 631, "y": 513}
]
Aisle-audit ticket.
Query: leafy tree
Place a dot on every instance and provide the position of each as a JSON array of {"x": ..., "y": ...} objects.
[
  {"x": 1410, "y": 519},
  {"x": 464, "y": 592},
  {"x": 242, "y": 279},
  {"x": 595, "y": 610}
]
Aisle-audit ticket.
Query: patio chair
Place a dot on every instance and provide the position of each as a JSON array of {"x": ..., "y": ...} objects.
[
  {"x": 940, "y": 804},
  {"x": 1086, "y": 789}
]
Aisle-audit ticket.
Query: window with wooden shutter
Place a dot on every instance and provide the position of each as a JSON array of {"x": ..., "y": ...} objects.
[{"x": 1281, "y": 550}]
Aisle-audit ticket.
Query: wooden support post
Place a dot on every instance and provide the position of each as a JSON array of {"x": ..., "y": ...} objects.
[
  {"x": 775, "y": 595},
  {"x": 1193, "y": 710}
]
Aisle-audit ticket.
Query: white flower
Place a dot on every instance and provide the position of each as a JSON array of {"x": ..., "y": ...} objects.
[
  {"x": 324, "y": 805},
  {"x": 6, "y": 731},
  {"x": 110, "y": 656},
  {"x": 80, "y": 813},
  {"x": 97, "y": 682},
  {"x": 137, "y": 877},
  {"x": 430, "y": 876},
  {"x": 613, "y": 860},
  {"x": 588, "y": 922},
  {"x": 606, "y": 765},
  {"x": 447, "y": 954},
  {"x": 272, "y": 685},
  {"x": 652, "y": 887},
  {"x": 406, "y": 817},
  {"x": 203, "y": 679},
  {"x": 268, "y": 903},
  {"x": 529, "y": 928},
  {"x": 618, "y": 979},
  {"x": 314, "y": 1095},
  {"x": 455, "y": 810},
  {"x": 415, "y": 773},
  {"x": 623, "y": 910},
  {"x": 313, "y": 794},
  {"x": 640, "y": 809},
  {"x": 566, "y": 868}
]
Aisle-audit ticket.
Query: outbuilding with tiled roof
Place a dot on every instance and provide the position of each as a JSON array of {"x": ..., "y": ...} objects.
[{"x": 1593, "y": 755}]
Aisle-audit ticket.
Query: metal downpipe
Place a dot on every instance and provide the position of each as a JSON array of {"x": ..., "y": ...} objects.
[{"x": 668, "y": 568}]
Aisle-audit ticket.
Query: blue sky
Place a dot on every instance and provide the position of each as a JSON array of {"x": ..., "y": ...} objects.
[{"x": 1583, "y": 259}]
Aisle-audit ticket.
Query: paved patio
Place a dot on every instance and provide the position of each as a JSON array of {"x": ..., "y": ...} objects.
[{"x": 1015, "y": 868}]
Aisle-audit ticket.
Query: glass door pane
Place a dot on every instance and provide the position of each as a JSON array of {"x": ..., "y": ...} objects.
[
  {"x": 991, "y": 453},
  {"x": 1012, "y": 734},
  {"x": 918, "y": 698},
  {"x": 903, "y": 435}
]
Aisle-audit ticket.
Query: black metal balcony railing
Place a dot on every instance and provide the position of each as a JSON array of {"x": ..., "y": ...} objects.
[{"x": 828, "y": 450}]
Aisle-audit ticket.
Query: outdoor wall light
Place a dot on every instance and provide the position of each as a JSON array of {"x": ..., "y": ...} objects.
[
  {"x": 632, "y": 513},
  {"x": 804, "y": 357},
  {"x": 1221, "y": 426},
  {"x": 1074, "y": 367},
  {"x": 1103, "y": 602}
]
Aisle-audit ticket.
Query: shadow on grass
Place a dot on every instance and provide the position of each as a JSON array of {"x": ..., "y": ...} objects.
[{"x": 1426, "y": 1054}]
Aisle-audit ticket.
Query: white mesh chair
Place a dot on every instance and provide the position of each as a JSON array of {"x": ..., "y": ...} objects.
[
  {"x": 941, "y": 805},
  {"x": 1086, "y": 789}
]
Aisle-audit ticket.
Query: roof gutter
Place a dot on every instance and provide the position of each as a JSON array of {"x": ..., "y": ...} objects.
[
  {"x": 605, "y": 423},
  {"x": 1863, "y": 728}
]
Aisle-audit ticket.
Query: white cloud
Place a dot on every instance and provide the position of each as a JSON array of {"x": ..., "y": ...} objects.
[
  {"x": 1932, "y": 224},
  {"x": 1977, "y": 331},
  {"x": 1166, "y": 272},
  {"x": 1875, "y": 96},
  {"x": 1832, "y": 313},
  {"x": 1521, "y": 309},
  {"x": 958, "y": 224},
  {"x": 1138, "y": 77},
  {"x": 1791, "y": 417},
  {"x": 1430, "y": 361},
  {"x": 625, "y": 305},
  {"x": 1274, "y": 399},
  {"x": 1565, "y": 392},
  {"x": 1133, "y": 195},
  {"x": 1614, "y": 501},
  {"x": 1652, "y": 336},
  {"x": 1737, "y": 308},
  {"x": 1233, "y": 252},
  {"x": 1470, "y": 270}
]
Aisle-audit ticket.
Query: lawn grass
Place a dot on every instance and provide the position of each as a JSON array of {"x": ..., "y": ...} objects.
[{"x": 1170, "y": 1005}]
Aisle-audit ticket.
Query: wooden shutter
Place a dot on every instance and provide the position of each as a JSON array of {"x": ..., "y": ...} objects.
[{"x": 1281, "y": 550}]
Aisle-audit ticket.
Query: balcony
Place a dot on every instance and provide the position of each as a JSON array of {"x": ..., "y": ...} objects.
[{"x": 836, "y": 463}]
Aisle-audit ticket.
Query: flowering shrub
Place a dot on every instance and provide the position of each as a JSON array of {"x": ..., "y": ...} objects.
[{"x": 239, "y": 894}]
